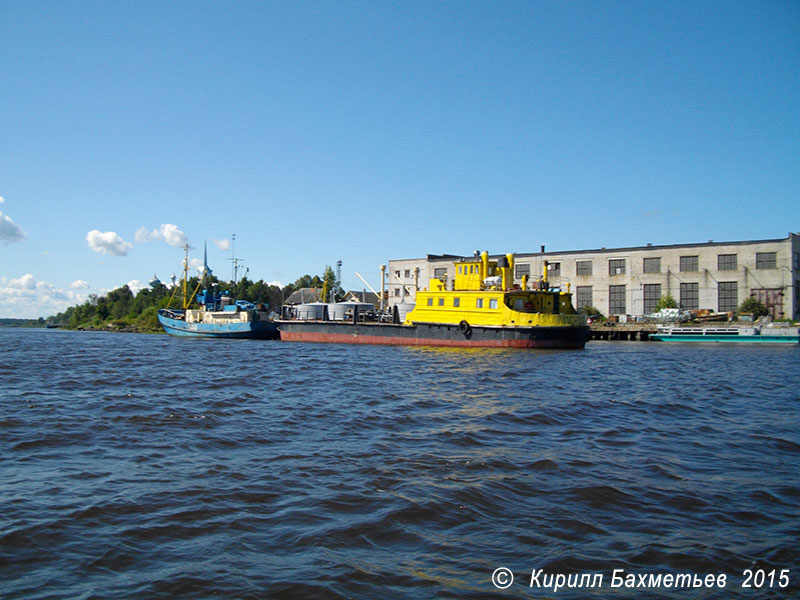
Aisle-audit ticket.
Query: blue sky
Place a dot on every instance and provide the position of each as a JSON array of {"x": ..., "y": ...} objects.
[{"x": 366, "y": 131}]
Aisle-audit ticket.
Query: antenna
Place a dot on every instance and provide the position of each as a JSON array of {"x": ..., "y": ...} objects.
[
  {"x": 338, "y": 282},
  {"x": 235, "y": 261}
]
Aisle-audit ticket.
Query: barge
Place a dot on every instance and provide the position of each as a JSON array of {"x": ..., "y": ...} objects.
[{"x": 483, "y": 308}]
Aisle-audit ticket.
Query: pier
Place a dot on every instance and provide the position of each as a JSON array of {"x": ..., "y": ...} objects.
[{"x": 626, "y": 332}]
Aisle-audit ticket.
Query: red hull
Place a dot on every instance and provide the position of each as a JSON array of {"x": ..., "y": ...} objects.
[{"x": 340, "y": 338}]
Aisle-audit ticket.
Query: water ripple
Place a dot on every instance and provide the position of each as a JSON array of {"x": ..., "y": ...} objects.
[{"x": 149, "y": 467}]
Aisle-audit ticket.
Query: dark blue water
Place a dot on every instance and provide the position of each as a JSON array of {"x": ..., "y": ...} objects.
[{"x": 141, "y": 466}]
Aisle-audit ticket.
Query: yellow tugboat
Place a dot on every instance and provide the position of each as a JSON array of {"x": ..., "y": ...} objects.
[{"x": 483, "y": 309}]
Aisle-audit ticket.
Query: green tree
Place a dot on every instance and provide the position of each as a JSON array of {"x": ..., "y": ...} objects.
[
  {"x": 666, "y": 301},
  {"x": 754, "y": 306},
  {"x": 591, "y": 311},
  {"x": 333, "y": 285}
]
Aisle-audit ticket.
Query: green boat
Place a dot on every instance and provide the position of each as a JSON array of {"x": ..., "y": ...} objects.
[{"x": 753, "y": 334}]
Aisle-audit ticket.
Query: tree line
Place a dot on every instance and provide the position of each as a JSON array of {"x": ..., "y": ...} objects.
[{"x": 122, "y": 310}]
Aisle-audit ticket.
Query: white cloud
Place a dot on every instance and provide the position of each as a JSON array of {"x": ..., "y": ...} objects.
[
  {"x": 27, "y": 298},
  {"x": 79, "y": 284},
  {"x": 26, "y": 282},
  {"x": 196, "y": 264},
  {"x": 10, "y": 231},
  {"x": 107, "y": 242},
  {"x": 134, "y": 285},
  {"x": 222, "y": 244},
  {"x": 167, "y": 232},
  {"x": 2, "y": 199}
]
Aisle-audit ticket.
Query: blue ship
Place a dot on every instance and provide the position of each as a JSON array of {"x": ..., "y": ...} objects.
[
  {"x": 218, "y": 315},
  {"x": 239, "y": 319}
]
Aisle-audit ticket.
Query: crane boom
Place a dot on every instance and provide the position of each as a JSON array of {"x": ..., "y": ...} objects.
[{"x": 367, "y": 284}]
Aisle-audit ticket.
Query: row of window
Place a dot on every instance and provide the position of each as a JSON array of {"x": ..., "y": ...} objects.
[
  {"x": 479, "y": 302},
  {"x": 725, "y": 262},
  {"x": 727, "y": 297},
  {"x": 618, "y": 266}
]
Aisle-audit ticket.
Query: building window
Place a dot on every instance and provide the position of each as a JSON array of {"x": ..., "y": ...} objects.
[
  {"x": 492, "y": 302},
  {"x": 796, "y": 264},
  {"x": 554, "y": 268},
  {"x": 583, "y": 267},
  {"x": 408, "y": 273},
  {"x": 522, "y": 270},
  {"x": 583, "y": 295},
  {"x": 796, "y": 298},
  {"x": 616, "y": 300},
  {"x": 652, "y": 265},
  {"x": 616, "y": 266},
  {"x": 690, "y": 296},
  {"x": 396, "y": 291},
  {"x": 688, "y": 263},
  {"x": 652, "y": 294},
  {"x": 726, "y": 262},
  {"x": 479, "y": 303},
  {"x": 440, "y": 273},
  {"x": 397, "y": 274},
  {"x": 766, "y": 260},
  {"x": 456, "y": 302},
  {"x": 728, "y": 297}
]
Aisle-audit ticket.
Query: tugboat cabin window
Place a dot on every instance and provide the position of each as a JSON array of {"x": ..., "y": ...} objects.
[
  {"x": 441, "y": 301},
  {"x": 456, "y": 302},
  {"x": 430, "y": 301},
  {"x": 493, "y": 303},
  {"x": 479, "y": 303}
]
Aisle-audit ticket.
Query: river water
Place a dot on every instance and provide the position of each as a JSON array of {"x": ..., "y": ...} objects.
[{"x": 142, "y": 466}]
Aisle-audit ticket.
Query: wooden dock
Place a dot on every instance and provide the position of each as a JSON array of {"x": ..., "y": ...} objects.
[{"x": 626, "y": 332}]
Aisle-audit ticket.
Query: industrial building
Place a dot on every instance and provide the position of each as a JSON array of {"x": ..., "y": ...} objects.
[{"x": 628, "y": 282}]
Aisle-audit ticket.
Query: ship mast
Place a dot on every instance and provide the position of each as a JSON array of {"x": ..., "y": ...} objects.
[{"x": 186, "y": 248}]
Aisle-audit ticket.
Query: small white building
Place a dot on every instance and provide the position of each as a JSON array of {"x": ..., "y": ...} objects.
[{"x": 717, "y": 276}]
